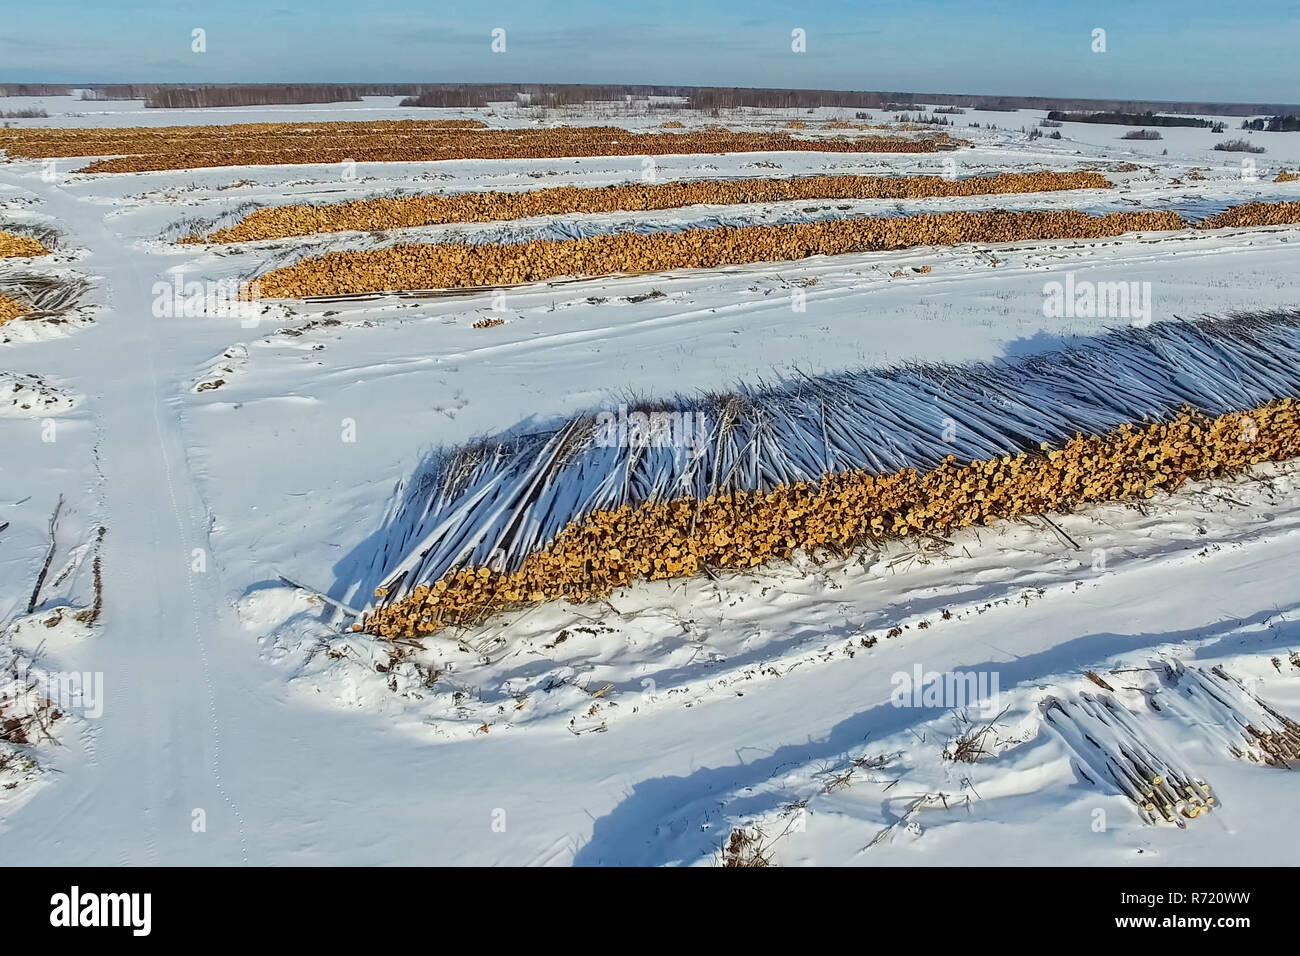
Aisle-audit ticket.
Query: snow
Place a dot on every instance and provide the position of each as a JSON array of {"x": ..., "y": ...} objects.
[{"x": 227, "y": 691}]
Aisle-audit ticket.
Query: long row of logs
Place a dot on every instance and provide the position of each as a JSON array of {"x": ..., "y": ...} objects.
[
  {"x": 409, "y": 211},
  {"x": 49, "y": 143},
  {"x": 145, "y": 149},
  {"x": 659, "y": 540},
  {"x": 1254, "y": 214},
  {"x": 446, "y": 266}
]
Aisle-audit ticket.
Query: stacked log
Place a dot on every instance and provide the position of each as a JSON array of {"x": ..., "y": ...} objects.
[
  {"x": 11, "y": 309},
  {"x": 411, "y": 211},
  {"x": 1254, "y": 214},
  {"x": 260, "y": 144},
  {"x": 660, "y": 540},
  {"x": 12, "y": 246},
  {"x": 447, "y": 266}
]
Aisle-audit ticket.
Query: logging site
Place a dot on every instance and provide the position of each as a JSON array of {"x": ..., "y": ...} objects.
[{"x": 501, "y": 465}]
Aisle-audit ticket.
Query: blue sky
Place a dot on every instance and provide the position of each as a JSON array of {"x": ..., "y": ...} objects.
[{"x": 1156, "y": 49}]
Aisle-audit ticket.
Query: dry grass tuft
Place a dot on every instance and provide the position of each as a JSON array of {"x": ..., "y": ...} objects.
[{"x": 746, "y": 848}]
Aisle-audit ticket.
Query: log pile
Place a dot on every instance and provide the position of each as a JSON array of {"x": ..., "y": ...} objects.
[
  {"x": 1254, "y": 214},
  {"x": 262, "y": 144},
  {"x": 10, "y": 309},
  {"x": 20, "y": 246},
  {"x": 1112, "y": 743},
  {"x": 446, "y": 266},
  {"x": 743, "y": 477},
  {"x": 1254, "y": 729},
  {"x": 45, "y": 143},
  {"x": 402, "y": 212},
  {"x": 656, "y": 540}
]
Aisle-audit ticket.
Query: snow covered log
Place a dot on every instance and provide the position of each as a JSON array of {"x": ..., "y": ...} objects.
[{"x": 738, "y": 479}]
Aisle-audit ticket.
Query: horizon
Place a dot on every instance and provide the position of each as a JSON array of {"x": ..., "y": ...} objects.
[
  {"x": 919, "y": 98},
  {"x": 1166, "y": 51},
  {"x": 1064, "y": 97}
]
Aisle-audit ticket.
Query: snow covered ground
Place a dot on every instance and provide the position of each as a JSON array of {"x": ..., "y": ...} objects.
[{"x": 222, "y": 719}]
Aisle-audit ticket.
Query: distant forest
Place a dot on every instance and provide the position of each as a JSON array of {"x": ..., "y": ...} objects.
[
  {"x": 249, "y": 96},
  {"x": 535, "y": 94},
  {"x": 164, "y": 94},
  {"x": 700, "y": 97},
  {"x": 1148, "y": 118},
  {"x": 710, "y": 97},
  {"x": 1274, "y": 124}
]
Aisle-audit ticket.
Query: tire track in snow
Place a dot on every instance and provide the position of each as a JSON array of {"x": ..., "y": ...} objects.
[
  {"x": 185, "y": 552},
  {"x": 198, "y": 628}
]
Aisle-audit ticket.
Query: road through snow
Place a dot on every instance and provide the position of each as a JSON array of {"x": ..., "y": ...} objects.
[{"x": 156, "y": 755}]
